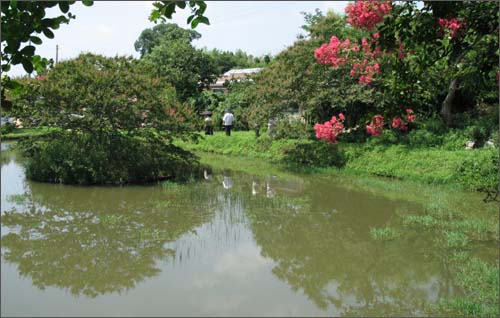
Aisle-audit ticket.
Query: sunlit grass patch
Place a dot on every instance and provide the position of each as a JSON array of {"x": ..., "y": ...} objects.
[{"x": 384, "y": 233}]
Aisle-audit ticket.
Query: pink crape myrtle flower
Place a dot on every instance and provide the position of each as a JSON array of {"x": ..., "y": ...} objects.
[
  {"x": 365, "y": 15},
  {"x": 410, "y": 115},
  {"x": 454, "y": 26},
  {"x": 329, "y": 130},
  {"x": 376, "y": 127}
]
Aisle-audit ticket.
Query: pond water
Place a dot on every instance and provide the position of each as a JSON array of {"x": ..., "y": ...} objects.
[{"x": 238, "y": 243}]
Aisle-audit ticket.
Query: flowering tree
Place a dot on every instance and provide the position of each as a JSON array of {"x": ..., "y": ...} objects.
[{"x": 416, "y": 49}]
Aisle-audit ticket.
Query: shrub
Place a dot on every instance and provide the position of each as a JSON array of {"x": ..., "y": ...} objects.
[
  {"x": 79, "y": 159},
  {"x": 319, "y": 153},
  {"x": 434, "y": 125},
  {"x": 479, "y": 171},
  {"x": 423, "y": 138},
  {"x": 388, "y": 137},
  {"x": 479, "y": 135},
  {"x": 7, "y": 128},
  {"x": 454, "y": 140},
  {"x": 291, "y": 129}
]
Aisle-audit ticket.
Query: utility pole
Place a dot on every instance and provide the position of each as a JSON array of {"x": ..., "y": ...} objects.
[
  {"x": 57, "y": 52},
  {"x": 29, "y": 74}
]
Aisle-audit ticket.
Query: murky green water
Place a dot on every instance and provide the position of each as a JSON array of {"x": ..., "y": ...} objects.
[{"x": 236, "y": 244}]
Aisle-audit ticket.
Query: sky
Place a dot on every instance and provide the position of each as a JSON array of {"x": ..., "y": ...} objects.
[{"x": 111, "y": 27}]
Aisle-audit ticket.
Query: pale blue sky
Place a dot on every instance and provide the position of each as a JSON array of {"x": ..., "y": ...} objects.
[{"x": 111, "y": 27}]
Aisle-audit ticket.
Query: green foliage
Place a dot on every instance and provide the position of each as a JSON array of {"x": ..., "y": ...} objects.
[
  {"x": 479, "y": 170},
  {"x": 21, "y": 133},
  {"x": 292, "y": 129},
  {"x": 167, "y": 32},
  {"x": 79, "y": 159},
  {"x": 313, "y": 153},
  {"x": 423, "y": 138},
  {"x": 170, "y": 56},
  {"x": 7, "y": 128},
  {"x": 117, "y": 123},
  {"x": 20, "y": 21},
  {"x": 165, "y": 9},
  {"x": 100, "y": 95},
  {"x": 479, "y": 279},
  {"x": 226, "y": 60}
]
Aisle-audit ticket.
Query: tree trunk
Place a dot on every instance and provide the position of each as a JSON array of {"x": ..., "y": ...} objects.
[{"x": 448, "y": 101}]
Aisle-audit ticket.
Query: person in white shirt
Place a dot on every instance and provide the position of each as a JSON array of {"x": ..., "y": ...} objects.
[{"x": 227, "y": 122}]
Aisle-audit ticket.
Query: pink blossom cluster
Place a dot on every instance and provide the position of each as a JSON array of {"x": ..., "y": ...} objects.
[
  {"x": 398, "y": 123},
  {"x": 41, "y": 77},
  {"x": 336, "y": 54},
  {"x": 365, "y": 15},
  {"x": 410, "y": 115},
  {"x": 376, "y": 127},
  {"x": 454, "y": 26},
  {"x": 365, "y": 71},
  {"x": 330, "y": 129},
  {"x": 329, "y": 53}
]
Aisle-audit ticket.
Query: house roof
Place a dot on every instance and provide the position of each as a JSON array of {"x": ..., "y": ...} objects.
[
  {"x": 235, "y": 74},
  {"x": 242, "y": 71}
]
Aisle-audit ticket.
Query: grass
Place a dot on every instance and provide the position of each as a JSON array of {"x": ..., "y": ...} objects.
[
  {"x": 240, "y": 143},
  {"x": 21, "y": 133},
  {"x": 384, "y": 233},
  {"x": 479, "y": 280},
  {"x": 423, "y": 165}
]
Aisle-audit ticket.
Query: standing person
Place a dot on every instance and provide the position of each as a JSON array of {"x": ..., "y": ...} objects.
[
  {"x": 209, "y": 129},
  {"x": 227, "y": 121}
]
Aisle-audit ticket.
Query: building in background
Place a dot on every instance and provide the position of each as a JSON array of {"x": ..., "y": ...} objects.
[{"x": 232, "y": 75}]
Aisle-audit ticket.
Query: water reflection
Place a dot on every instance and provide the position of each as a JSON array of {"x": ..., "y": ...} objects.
[
  {"x": 303, "y": 237},
  {"x": 96, "y": 241}
]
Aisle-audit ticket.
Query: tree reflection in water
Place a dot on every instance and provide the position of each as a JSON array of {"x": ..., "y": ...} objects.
[
  {"x": 94, "y": 241},
  {"x": 319, "y": 240}
]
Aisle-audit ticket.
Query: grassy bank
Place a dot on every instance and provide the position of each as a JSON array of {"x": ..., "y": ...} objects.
[
  {"x": 21, "y": 133},
  {"x": 469, "y": 169}
]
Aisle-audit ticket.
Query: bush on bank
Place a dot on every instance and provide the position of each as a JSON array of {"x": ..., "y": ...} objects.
[{"x": 115, "y": 159}]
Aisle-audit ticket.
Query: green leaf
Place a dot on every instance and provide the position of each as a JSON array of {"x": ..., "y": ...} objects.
[
  {"x": 87, "y": 3},
  {"x": 13, "y": 4},
  {"x": 28, "y": 50},
  {"x": 199, "y": 19},
  {"x": 49, "y": 34},
  {"x": 5, "y": 67},
  {"x": 168, "y": 10},
  {"x": 155, "y": 15},
  {"x": 64, "y": 6},
  {"x": 203, "y": 7},
  {"x": 35, "y": 40},
  {"x": 181, "y": 4},
  {"x": 190, "y": 18},
  {"x": 195, "y": 22},
  {"x": 28, "y": 67}
]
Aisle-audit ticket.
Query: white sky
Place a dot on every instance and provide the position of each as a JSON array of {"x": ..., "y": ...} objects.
[{"x": 111, "y": 27}]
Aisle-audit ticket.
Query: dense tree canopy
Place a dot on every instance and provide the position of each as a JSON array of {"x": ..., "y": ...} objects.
[
  {"x": 168, "y": 32},
  {"x": 117, "y": 123}
]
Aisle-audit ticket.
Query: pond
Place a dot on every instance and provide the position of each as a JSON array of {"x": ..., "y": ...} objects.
[{"x": 242, "y": 242}]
